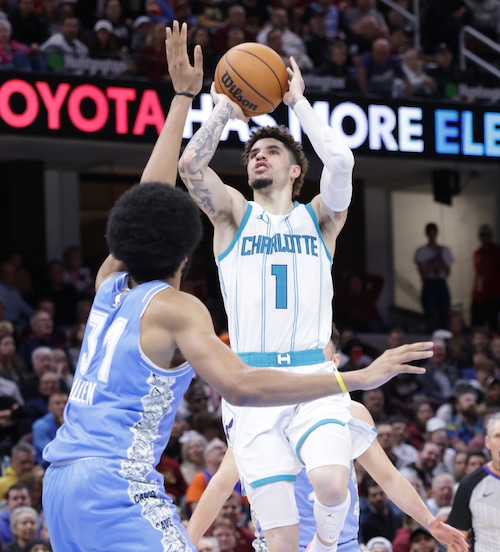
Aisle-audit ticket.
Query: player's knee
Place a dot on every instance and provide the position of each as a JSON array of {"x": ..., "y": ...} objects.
[{"x": 330, "y": 484}]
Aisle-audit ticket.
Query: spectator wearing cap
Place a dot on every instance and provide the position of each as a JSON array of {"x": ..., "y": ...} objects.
[
  {"x": 436, "y": 433},
  {"x": 318, "y": 45},
  {"x": 378, "y": 544},
  {"x": 102, "y": 43},
  {"x": 332, "y": 17},
  {"x": 446, "y": 74},
  {"x": 422, "y": 541},
  {"x": 140, "y": 31},
  {"x": 485, "y": 304}
]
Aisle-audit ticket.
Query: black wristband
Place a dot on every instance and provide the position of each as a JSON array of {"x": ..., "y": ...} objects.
[{"x": 184, "y": 93}]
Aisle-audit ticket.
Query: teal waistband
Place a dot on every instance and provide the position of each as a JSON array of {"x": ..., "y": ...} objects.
[{"x": 282, "y": 360}]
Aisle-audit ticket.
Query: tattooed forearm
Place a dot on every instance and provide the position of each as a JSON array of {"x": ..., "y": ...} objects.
[
  {"x": 200, "y": 194},
  {"x": 202, "y": 146}
]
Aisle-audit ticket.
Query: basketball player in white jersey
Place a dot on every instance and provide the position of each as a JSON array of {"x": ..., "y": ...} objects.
[
  {"x": 102, "y": 491},
  {"x": 274, "y": 258}
]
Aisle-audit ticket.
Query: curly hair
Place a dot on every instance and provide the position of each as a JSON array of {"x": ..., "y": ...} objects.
[
  {"x": 281, "y": 134},
  {"x": 152, "y": 228}
]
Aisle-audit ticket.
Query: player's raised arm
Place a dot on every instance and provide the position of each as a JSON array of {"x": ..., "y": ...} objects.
[
  {"x": 187, "y": 81},
  {"x": 218, "y": 201},
  {"x": 336, "y": 178}
]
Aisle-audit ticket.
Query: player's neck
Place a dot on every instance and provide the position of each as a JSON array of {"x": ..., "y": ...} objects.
[
  {"x": 275, "y": 202},
  {"x": 493, "y": 468}
]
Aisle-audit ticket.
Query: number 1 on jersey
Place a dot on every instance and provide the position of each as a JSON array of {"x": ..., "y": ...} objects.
[{"x": 280, "y": 274}]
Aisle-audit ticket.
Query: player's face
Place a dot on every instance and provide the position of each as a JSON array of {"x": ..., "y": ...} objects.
[{"x": 268, "y": 163}]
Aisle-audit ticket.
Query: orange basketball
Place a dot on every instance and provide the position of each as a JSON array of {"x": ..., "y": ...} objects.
[{"x": 253, "y": 76}]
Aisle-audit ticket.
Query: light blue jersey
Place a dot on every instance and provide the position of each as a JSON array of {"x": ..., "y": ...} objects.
[
  {"x": 117, "y": 423},
  {"x": 276, "y": 283},
  {"x": 304, "y": 496}
]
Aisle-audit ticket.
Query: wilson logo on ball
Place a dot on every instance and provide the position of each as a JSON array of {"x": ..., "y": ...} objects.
[{"x": 236, "y": 93}]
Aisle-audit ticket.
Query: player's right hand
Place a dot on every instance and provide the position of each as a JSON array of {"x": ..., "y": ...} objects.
[
  {"x": 237, "y": 112},
  {"x": 393, "y": 362}
]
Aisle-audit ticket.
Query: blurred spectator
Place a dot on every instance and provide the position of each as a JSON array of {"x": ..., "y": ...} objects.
[
  {"x": 45, "y": 428},
  {"x": 64, "y": 43},
  {"x": 184, "y": 14},
  {"x": 208, "y": 544},
  {"x": 256, "y": 13},
  {"x": 379, "y": 520},
  {"x": 37, "y": 545},
  {"x": 75, "y": 339},
  {"x": 491, "y": 395},
  {"x": 11, "y": 424},
  {"x": 374, "y": 400},
  {"x": 466, "y": 423},
  {"x": 12, "y": 366},
  {"x": 49, "y": 16},
  {"x": 64, "y": 295},
  {"x": 59, "y": 360},
  {"x": 385, "y": 437},
  {"x": 459, "y": 344},
  {"x": 427, "y": 460},
  {"x": 236, "y": 19},
  {"x": 475, "y": 460},
  {"x": 378, "y": 544},
  {"x": 17, "y": 309},
  {"x": 398, "y": 41},
  {"x": 113, "y": 13},
  {"x": 331, "y": 14},
  {"x": 102, "y": 45},
  {"x": 436, "y": 433},
  {"x": 17, "y": 495},
  {"x": 235, "y": 37},
  {"x": 152, "y": 61},
  {"x": 214, "y": 453},
  {"x": 292, "y": 44},
  {"x": 41, "y": 334},
  {"x": 459, "y": 463},
  {"x": 380, "y": 73},
  {"x": 200, "y": 35},
  {"x": 446, "y": 74},
  {"x": 356, "y": 304},
  {"x": 232, "y": 510},
  {"x": 318, "y": 45},
  {"x": 75, "y": 273},
  {"x": 160, "y": 11},
  {"x": 33, "y": 482},
  {"x": 440, "y": 376},
  {"x": 38, "y": 405},
  {"x": 224, "y": 531},
  {"x": 140, "y": 31},
  {"x": 24, "y": 524},
  {"x": 193, "y": 458},
  {"x": 485, "y": 305},
  {"x": 434, "y": 266},
  {"x": 364, "y": 24},
  {"x": 421, "y": 84},
  {"x": 196, "y": 398},
  {"x": 22, "y": 462},
  {"x": 337, "y": 65},
  {"x": 210, "y": 13},
  {"x": 406, "y": 453},
  {"x": 26, "y": 26},
  {"x": 422, "y": 541},
  {"x": 41, "y": 363},
  {"x": 421, "y": 412},
  {"x": 442, "y": 492},
  {"x": 22, "y": 277}
]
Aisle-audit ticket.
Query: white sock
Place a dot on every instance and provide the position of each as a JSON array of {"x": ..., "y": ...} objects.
[{"x": 318, "y": 546}]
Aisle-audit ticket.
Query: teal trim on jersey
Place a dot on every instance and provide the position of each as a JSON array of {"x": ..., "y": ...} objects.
[
  {"x": 273, "y": 479},
  {"x": 243, "y": 222},
  {"x": 295, "y": 289},
  {"x": 311, "y": 429},
  {"x": 316, "y": 223},
  {"x": 284, "y": 360}
]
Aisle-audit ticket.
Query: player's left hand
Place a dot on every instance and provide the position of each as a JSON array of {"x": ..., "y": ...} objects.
[
  {"x": 448, "y": 535},
  {"x": 184, "y": 76},
  {"x": 296, "y": 84}
]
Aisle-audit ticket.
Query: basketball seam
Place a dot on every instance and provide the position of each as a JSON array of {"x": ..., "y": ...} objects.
[{"x": 236, "y": 49}]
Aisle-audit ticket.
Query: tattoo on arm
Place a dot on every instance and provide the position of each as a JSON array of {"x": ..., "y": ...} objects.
[{"x": 201, "y": 150}]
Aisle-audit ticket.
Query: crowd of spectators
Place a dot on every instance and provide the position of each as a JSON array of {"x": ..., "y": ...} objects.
[
  {"x": 431, "y": 426},
  {"x": 358, "y": 46}
]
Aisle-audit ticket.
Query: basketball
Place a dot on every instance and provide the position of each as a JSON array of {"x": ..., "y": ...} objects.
[{"x": 253, "y": 76}]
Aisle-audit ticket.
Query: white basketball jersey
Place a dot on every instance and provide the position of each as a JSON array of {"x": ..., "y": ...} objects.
[{"x": 276, "y": 282}]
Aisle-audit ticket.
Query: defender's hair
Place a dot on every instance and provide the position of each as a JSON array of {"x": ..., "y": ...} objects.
[{"x": 152, "y": 228}]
